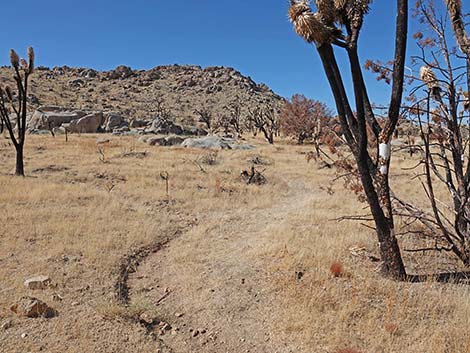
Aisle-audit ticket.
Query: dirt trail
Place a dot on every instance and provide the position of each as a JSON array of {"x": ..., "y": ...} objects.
[{"x": 211, "y": 283}]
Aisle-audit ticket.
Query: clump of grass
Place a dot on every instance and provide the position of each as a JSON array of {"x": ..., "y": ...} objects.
[{"x": 337, "y": 269}]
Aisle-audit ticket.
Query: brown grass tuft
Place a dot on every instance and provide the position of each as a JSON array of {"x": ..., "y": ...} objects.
[
  {"x": 391, "y": 328},
  {"x": 336, "y": 269}
]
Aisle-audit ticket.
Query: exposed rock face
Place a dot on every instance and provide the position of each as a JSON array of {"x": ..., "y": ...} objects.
[
  {"x": 112, "y": 121},
  {"x": 216, "y": 142},
  {"x": 88, "y": 124},
  {"x": 32, "y": 307},
  {"x": 165, "y": 127},
  {"x": 46, "y": 118}
]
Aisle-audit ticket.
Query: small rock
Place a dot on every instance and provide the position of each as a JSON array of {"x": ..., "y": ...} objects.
[
  {"x": 146, "y": 318},
  {"x": 24, "y": 335},
  {"x": 179, "y": 314},
  {"x": 57, "y": 297},
  {"x": 38, "y": 282},
  {"x": 33, "y": 307},
  {"x": 75, "y": 303},
  {"x": 6, "y": 325},
  {"x": 195, "y": 333},
  {"x": 102, "y": 141}
]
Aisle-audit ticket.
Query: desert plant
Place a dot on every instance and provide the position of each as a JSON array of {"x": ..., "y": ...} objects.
[
  {"x": 205, "y": 116},
  {"x": 325, "y": 29},
  {"x": 264, "y": 119},
  {"x": 304, "y": 118},
  {"x": 17, "y": 105},
  {"x": 440, "y": 107},
  {"x": 235, "y": 119}
]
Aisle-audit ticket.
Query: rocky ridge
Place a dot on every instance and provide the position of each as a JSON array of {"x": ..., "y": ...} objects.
[{"x": 140, "y": 94}]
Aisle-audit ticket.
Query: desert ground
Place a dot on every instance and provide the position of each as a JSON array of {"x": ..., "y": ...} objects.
[{"x": 212, "y": 265}]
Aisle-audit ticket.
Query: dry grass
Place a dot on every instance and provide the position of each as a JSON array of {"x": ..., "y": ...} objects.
[{"x": 74, "y": 216}]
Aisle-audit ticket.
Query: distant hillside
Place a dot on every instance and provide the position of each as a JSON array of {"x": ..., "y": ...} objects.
[{"x": 134, "y": 93}]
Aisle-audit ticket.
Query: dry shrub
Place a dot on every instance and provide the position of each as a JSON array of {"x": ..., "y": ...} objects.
[
  {"x": 336, "y": 269},
  {"x": 391, "y": 328}
]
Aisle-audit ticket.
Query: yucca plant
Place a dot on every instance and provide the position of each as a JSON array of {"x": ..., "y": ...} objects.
[
  {"x": 338, "y": 23},
  {"x": 13, "y": 107}
]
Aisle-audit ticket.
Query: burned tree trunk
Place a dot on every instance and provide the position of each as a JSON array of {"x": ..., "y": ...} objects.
[
  {"x": 17, "y": 105},
  {"x": 321, "y": 29}
]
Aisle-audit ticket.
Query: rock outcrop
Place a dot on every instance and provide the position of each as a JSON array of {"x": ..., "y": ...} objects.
[{"x": 216, "y": 142}]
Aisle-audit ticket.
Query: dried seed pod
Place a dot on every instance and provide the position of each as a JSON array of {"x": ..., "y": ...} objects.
[
  {"x": 429, "y": 78},
  {"x": 466, "y": 101}
]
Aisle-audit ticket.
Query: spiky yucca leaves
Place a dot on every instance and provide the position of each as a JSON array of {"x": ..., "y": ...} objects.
[
  {"x": 30, "y": 60},
  {"x": 327, "y": 10},
  {"x": 309, "y": 25},
  {"x": 14, "y": 59},
  {"x": 352, "y": 12},
  {"x": 429, "y": 78}
]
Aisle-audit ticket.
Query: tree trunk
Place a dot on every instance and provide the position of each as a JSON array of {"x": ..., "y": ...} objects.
[
  {"x": 392, "y": 262},
  {"x": 19, "y": 160}
]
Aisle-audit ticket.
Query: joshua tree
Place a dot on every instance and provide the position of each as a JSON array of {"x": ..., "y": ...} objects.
[
  {"x": 205, "y": 116},
  {"x": 325, "y": 29},
  {"x": 235, "y": 117},
  {"x": 16, "y": 105},
  {"x": 264, "y": 119}
]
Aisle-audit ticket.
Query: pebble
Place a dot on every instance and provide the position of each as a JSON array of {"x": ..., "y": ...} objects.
[{"x": 6, "y": 325}]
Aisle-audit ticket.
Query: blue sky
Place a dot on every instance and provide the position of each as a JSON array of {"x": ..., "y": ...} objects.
[{"x": 254, "y": 36}]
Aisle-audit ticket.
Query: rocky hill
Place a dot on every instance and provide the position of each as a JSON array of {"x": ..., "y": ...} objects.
[{"x": 141, "y": 94}]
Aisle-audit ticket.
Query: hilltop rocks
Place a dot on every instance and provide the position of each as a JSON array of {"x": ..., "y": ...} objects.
[{"x": 120, "y": 72}]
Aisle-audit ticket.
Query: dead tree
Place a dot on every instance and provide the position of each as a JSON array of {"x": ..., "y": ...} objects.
[
  {"x": 305, "y": 118},
  {"x": 205, "y": 116},
  {"x": 442, "y": 112},
  {"x": 325, "y": 29},
  {"x": 235, "y": 116},
  {"x": 16, "y": 106},
  {"x": 264, "y": 119}
]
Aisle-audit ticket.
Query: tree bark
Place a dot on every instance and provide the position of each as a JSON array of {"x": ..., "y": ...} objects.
[{"x": 19, "y": 160}]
